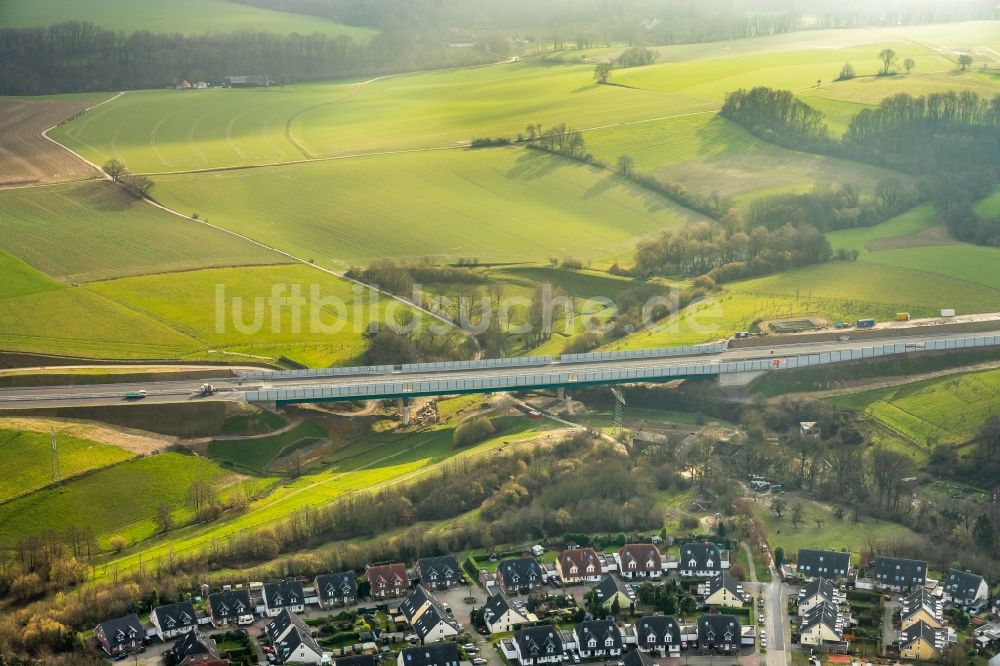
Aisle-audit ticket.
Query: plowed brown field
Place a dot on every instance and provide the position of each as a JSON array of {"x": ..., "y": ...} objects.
[{"x": 26, "y": 157}]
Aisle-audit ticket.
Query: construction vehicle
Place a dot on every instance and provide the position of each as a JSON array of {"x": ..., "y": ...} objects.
[
  {"x": 207, "y": 389},
  {"x": 865, "y": 323},
  {"x": 902, "y": 316}
]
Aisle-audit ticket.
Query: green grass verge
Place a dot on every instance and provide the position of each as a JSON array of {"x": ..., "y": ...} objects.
[
  {"x": 95, "y": 230},
  {"x": 119, "y": 499},
  {"x": 944, "y": 410},
  {"x": 253, "y": 455},
  {"x": 28, "y": 459}
]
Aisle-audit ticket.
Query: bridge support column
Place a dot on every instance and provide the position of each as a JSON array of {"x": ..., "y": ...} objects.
[
  {"x": 404, "y": 409},
  {"x": 560, "y": 393},
  {"x": 569, "y": 402}
]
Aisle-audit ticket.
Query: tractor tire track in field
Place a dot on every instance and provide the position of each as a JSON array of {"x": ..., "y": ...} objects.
[
  {"x": 265, "y": 134},
  {"x": 194, "y": 144},
  {"x": 156, "y": 130},
  {"x": 45, "y": 135}
]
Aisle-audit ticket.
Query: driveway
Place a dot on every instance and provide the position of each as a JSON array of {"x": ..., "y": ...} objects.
[{"x": 889, "y": 633}]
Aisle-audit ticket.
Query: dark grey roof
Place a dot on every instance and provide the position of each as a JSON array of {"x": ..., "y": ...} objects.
[
  {"x": 829, "y": 563},
  {"x": 122, "y": 630},
  {"x": 499, "y": 604},
  {"x": 343, "y": 584},
  {"x": 194, "y": 643},
  {"x": 962, "y": 585},
  {"x": 899, "y": 571},
  {"x": 430, "y": 619},
  {"x": 661, "y": 625},
  {"x": 287, "y": 631},
  {"x": 414, "y": 601},
  {"x": 176, "y": 616},
  {"x": 602, "y": 631},
  {"x": 919, "y": 630},
  {"x": 822, "y": 612},
  {"x": 357, "y": 660},
  {"x": 519, "y": 571},
  {"x": 638, "y": 658},
  {"x": 439, "y": 654},
  {"x": 821, "y": 586},
  {"x": 701, "y": 553},
  {"x": 608, "y": 586},
  {"x": 439, "y": 569},
  {"x": 226, "y": 605},
  {"x": 918, "y": 599},
  {"x": 284, "y": 593},
  {"x": 724, "y": 580},
  {"x": 713, "y": 628},
  {"x": 538, "y": 641}
]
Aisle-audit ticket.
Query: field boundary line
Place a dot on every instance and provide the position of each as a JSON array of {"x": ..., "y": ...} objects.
[{"x": 45, "y": 135}]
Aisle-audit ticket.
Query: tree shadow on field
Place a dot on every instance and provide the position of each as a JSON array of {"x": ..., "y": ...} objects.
[
  {"x": 533, "y": 164},
  {"x": 720, "y": 136},
  {"x": 602, "y": 186}
]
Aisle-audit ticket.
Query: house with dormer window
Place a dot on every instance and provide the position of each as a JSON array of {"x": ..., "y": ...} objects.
[
  {"x": 441, "y": 654},
  {"x": 922, "y": 641},
  {"x": 659, "y": 633},
  {"x": 724, "y": 590},
  {"x": 284, "y": 595},
  {"x": 598, "y": 638},
  {"x": 120, "y": 635},
  {"x": 640, "y": 560},
  {"x": 292, "y": 640},
  {"x": 196, "y": 649},
  {"x": 521, "y": 574},
  {"x": 822, "y": 624},
  {"x": 719, "y": 633},
  {"x": 895, "y": 573},
  {"x": 829, "y": 564},
  {"x": 538, "y": 645},
  {"x": 336, "y": 589},
  {"x": 500, "y": 614},
  {"x": 611, "y": 589},
  {"x": 579, "y": 565},
  {"x": 702, "y": 559},
  {"x": 438, "y": 573},
  {"x": 388, "y": 580},
  {"x": 818, "y": 591},
  {"x": 965, "y": 588},
  {"x": 230, "y": 607},
  {"x": 172, "y": 620}
]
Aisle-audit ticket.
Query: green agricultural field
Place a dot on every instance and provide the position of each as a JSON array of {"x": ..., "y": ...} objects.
[
  {"x": 909, "y": 223},
  {"x": 185, "y": 16},
  {"x": 93, "y": 231},
  {"x": 28, "y": 458},
  {"x": 505, "y": 204},
  {"x": 231, "y": 309},
  {"x": 368, "y": 464},
  {"x": 127, "y": 495},
  {"x": 946, "y": 410},
  {"x": 40, "y": 315},
  {"x": 253, "y": 454},
  {"x": 990, "y": 206},
  {"x": 972, "y": 264}
]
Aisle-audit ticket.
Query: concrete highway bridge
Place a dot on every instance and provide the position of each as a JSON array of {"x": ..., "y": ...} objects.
[{"x": 732, "y": 365}]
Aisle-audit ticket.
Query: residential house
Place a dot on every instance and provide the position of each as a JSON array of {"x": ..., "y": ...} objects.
[
  {"x": 538, "y": 645},
  {"x": 172, "y": 620},
  {"x": 292, "y": 640},
  {"x": 500, "y": 614},
  {"x": 921, "y": 606},
  {"x": 415, "y": 603},
  {"x": 719, "y": 633},
  {"x": 826, "y": 563},
  {"x": 196, "y": 649},
  {"x": 965, "y": 588},
  {"x": 659, "y": 633},
  {"x": 430, "y": 621},
  {"x": 119, "y": 635},
  {"x": 336, "y": 589},
  {"x": 702, "y": 559},
  {"x": 284, "y": 595},
  {"x": 639, "y": 560},
  {"x": 817, "y": 591},
  {"x": 230, "y": 607},
  {"x": 388, "y": 580},
  {"x": 598, "y": 638},
  {"x": 611, "y": 589},
  {"x": 521, "y": 574},
  {"x": 438, "y": 573},
  {"x": 922, "y": 641},
  {"x": 440, "y": 654},
  {"x": 579, "y": 565},
  {"x": 358, "y": 660},
  {"x": 724, "y": 590},
  {"x": 638, "y": 658},
  {"x": 900, "y": 574},
  {"x": 821, "y": 624}
]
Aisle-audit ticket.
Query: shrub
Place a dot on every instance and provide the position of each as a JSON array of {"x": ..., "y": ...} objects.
[{"x": 473, "y": 430}]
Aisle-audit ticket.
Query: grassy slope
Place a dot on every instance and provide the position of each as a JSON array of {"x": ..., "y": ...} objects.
[
  {"x": 943, "y": 410},
  {"x": 39, "y": 314},
  {"x": 188, "y": 302},
  {"x": 255, "y": 454},
  {"x": 990, "y": 206},
  {"x": 505, "y": 204},
  {"x": 27, "y": 457},
  {"x": 185, "y": 16},
  {"x": 377, "y": 460},
  {"x": 96, "y": 230},
  {"x": 127, "y": 495},
  {"x": 911, "y": 222}
]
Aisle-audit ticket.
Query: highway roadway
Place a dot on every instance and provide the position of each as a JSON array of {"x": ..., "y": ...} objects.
[{"x": 234, "y": 388}]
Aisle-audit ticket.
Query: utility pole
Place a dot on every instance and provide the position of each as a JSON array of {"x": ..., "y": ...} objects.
[{"x": 55, "y": 457}]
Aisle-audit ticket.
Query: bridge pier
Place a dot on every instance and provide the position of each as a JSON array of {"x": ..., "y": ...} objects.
[
  {"x": 404, "y": 409},
  {"x": 569, "y": 402},
  {"x": 560, "y": 393}
]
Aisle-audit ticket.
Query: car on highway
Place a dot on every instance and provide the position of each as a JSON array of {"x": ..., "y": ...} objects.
[{"x": 135, "y": 395}]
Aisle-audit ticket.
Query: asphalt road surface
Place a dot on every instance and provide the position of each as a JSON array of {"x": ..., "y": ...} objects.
[{"x": 230, "y": 388}]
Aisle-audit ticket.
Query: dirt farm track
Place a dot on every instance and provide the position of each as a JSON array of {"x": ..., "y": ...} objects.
[{"x": 26, "y": 157}]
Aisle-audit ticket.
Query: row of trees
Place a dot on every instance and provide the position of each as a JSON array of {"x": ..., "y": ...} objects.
[
  {"x": 73, "y": 56},
  {"x": 778, "y": 116},
  {"x": 137, "y": 184},
  {"x": 829, "y": 208}
]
